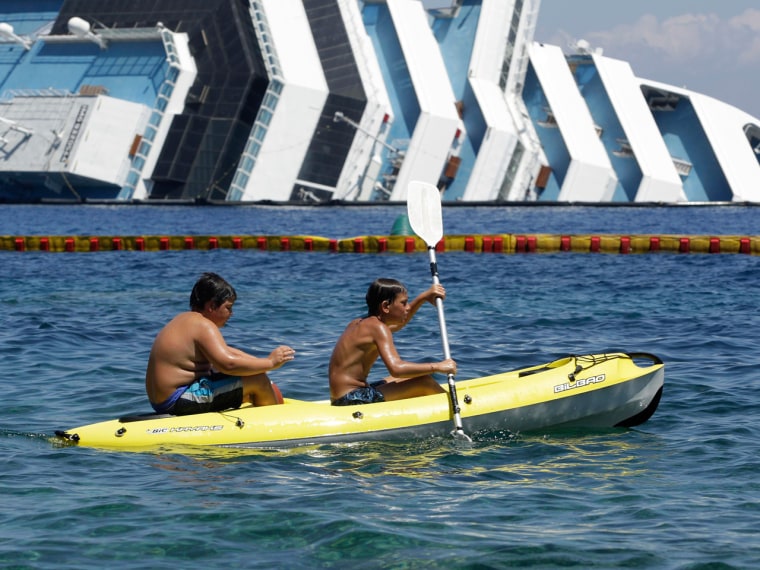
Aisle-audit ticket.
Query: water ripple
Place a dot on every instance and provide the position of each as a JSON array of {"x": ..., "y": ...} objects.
[{"x": 676, "y": 493}]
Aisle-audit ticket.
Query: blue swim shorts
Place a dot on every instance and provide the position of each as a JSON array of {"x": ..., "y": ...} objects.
[
  {"x": 366, "y": 395},
  {"x": 220, "y": 392}
]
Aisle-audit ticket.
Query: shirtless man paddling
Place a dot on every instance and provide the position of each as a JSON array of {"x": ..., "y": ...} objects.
[{"x": 367, "y": 338}]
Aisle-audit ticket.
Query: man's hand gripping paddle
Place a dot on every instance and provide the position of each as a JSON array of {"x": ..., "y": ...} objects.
[{"x": 424, "y": 209}]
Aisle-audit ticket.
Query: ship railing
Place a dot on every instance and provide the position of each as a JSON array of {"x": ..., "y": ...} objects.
[{"x": 46, "y": 92}]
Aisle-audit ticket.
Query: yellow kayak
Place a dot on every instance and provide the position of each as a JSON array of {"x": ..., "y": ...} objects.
[{"x": 590, "y": 391}]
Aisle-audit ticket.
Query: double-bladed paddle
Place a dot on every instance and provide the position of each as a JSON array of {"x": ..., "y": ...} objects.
[{"x": 423, "y": 205}]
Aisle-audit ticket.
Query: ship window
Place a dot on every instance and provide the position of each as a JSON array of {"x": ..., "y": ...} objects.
[
  {"x": 683, "y": 167},
  {"x": 265, "y": 116}
]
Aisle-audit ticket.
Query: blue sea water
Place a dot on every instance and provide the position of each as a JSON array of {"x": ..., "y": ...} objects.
[{"x": 679, "y": 492}]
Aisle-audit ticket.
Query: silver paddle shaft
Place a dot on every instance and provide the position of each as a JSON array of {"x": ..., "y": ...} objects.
[
  {"x": 439, "y": 306},
  {"x": 459, "y": 430}
]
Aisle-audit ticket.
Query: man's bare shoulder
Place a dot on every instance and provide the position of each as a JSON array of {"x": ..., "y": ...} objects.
[
  {"x": 361, "y": 331},
  {"x": 189, "y": 316},
  {"x": 368, "y": 325},
  {"x": 186, "y": 318},
  {"x": 189, "y": 321}
]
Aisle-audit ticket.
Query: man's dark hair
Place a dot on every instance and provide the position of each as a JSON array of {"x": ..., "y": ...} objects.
[
  {"x": 211, "y": 287},
  {"x": 382, "y": 290}
]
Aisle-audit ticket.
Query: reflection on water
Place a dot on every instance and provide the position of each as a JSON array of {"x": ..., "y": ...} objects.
[{"x": 493, "y": 458}]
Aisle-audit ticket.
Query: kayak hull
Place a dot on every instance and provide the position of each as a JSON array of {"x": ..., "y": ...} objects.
[{"x": 590, "y": 391}]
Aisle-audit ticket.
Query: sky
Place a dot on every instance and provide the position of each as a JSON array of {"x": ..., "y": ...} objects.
[{"x": 708, "y": 46}]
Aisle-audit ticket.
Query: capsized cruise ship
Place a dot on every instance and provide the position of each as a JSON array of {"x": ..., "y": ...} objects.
[{"x": 322, "y": 101}]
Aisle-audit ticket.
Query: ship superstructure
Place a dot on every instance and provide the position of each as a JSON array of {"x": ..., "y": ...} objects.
[{"x": 344, "y": 100}]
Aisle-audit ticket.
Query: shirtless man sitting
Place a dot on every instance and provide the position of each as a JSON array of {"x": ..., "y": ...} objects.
[
  {"x": 367, "y": 338},
  {"x": 191, "y": 369}
]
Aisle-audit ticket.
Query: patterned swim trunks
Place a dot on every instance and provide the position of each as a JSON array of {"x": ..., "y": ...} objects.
[
  {"x": 366, "y": 395},
  {"x": 204, "y": 395}
]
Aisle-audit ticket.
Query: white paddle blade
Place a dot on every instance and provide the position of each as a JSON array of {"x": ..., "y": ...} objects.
[{"x": 423, "y": 205}]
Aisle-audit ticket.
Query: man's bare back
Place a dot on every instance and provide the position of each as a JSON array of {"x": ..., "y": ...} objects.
[
  {"x": 181, "y": 354},
  {"x": 353, "y": 356}
]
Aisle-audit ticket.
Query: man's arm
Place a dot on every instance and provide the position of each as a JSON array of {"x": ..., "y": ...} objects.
[
  {"x": 229, "y": 360},
  {"x": 400, "y": 368}
]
